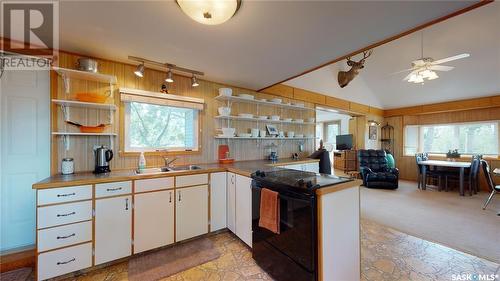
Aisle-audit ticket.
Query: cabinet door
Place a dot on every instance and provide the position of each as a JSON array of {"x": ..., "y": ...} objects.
[
  {"x": 113, "y": 228},
  {"x": 231, "y": 202},
  {"x": 191, "y": 213},
  {"x": 218, "y": 207},
  {"x": 244, "y": 209},
  {"x": 153, "y": 220}
]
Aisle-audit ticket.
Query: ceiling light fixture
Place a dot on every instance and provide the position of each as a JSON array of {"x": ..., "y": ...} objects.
[
  {"x": 194, "y": 81},
  {"x": 210, "y": 12},
  {"x": 373, "y": 123},
  {"x": 170, "y": 78},
  {"x": 139, "y": 71}
]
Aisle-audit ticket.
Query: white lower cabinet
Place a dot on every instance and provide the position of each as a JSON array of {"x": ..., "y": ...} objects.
[
  {"x": 153, "y": 220},
  {"x": 191, "y": 213},
  {"x": 244, "y": 209},
  {"x": 113, "y": 228},
  {"x": 218, "y": 208},
  {"x": 231, "y": 202},
  {"x": 66, "y": 260}
]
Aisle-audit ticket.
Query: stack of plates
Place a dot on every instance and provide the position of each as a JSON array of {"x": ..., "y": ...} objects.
[
  {"x": 299, "y": 120},
  {"x": 245, "y": 115},
  {"x": 244, "y": 135},
  {"x": 262, "y": 117},
  {"x": 276, "y": 100},
  {"x": 246, "y": 96},
  {"x": 287, "y": 119}
]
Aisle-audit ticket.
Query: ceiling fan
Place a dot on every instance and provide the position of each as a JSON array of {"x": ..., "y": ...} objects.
[{"x": 426, "y": 67}]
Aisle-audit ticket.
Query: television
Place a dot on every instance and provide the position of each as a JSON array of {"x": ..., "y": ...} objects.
[{"x": 344, "y": 142}]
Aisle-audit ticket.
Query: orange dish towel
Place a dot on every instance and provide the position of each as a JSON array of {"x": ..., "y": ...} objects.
[{"x": 269, "y": 210}]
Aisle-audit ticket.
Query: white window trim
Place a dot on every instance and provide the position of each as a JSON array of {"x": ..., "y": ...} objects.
[
  {"x": 126, "y": 143},
  {"x": 420, "y": 136}
]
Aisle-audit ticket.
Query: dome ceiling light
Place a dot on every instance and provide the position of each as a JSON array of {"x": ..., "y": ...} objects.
[{"x": 210, "y": 12}]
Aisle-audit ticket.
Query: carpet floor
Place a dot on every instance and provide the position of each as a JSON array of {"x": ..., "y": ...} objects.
[{"x": 442, "y": 217}]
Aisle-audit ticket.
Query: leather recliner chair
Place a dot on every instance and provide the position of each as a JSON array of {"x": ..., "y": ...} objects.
[{"x": 374, "y": 169}]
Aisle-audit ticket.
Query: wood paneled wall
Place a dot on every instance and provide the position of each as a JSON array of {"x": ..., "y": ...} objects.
[{"x": 81, "y": 146}]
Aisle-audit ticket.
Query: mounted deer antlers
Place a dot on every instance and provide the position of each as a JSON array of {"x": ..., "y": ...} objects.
[{"x": 344, "y": 77}]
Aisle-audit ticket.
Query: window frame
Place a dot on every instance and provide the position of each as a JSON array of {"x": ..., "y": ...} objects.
[
  {"x": 124, "y": 117},
  {"x": 420, "y": 136}
]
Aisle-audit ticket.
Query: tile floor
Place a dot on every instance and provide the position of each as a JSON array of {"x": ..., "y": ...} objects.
[{"x": 386, "y": 254}]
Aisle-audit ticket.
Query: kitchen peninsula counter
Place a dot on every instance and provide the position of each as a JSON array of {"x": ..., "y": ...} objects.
[{"x": 244, "y": 168}]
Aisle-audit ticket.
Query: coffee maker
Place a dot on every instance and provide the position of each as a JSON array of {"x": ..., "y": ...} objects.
[{"x": 102, "y": 155}]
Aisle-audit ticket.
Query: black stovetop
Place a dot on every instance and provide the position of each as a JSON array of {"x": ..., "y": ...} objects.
[{"x": 298, "y": 180}]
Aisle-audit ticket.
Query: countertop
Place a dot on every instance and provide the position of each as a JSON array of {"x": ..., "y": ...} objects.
[{"x": 244, "y": 168}]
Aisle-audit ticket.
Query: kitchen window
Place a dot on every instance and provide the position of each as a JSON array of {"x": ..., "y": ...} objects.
[
  {"x": 468, "y": 138},
  {"x": 154, "y": 122}
]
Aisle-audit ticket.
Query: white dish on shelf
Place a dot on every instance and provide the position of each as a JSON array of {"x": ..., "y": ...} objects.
[
  {"x": 274, "y": 117},
  {"x": 262, "y": 117},
  {"x": 227, "y": 132},
  {"x": 244, "y": 135},
  {"x": 227, "y": 92},
  {"x": 246, "y": 96},
  {"x": 245, "y": 115},
  {"x": 287, "y": 119},
  {"x": 298, "y": 120},
  {"x": 263, "y": 100},
  {"x": 224, "y": 111},
  {"x": 276, "y": 100}
]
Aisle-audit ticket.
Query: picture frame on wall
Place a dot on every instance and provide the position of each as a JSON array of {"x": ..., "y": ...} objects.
[
  {"x": 372, "y": 132},
  {"x": 272, "y": 130}
]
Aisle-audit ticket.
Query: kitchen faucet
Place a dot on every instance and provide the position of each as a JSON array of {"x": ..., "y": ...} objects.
[{"x": 168, "y": 161}]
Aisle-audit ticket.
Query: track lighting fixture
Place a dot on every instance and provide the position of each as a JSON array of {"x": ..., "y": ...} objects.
[
  {"x": 139, "y": 70},
  {"x": 162, "y": 66},
  {"x": 194, "y": 82},
  {"x": 169, "y": 78}
]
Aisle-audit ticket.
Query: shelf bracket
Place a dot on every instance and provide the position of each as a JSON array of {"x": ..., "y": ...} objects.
[
  {"x": 65, "y": 111},
  {"x": 66, "y": 81},
  {"x": 66, "y": 142}
]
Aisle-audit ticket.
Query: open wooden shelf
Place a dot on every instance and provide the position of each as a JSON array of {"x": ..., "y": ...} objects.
[
  {"x": 266, "y": 138},
  {"x": 83, "y": 134},
  {"x": 72, "y": 103},
  {"x": 84, "y": 75},
  {"x": 257, "y": 101},
  {"x": 262, "y": 120}
]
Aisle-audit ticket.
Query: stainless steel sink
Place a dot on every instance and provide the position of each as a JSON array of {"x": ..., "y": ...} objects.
[
  {"x": 185, "y": 168},
  {"x": 167, "y": 169}
]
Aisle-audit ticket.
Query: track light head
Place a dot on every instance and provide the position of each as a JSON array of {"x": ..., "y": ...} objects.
[
  {"x": 169, "y": 78},
  {"x": 139, "y": 70},
  {"x": 194, "y": 81}
]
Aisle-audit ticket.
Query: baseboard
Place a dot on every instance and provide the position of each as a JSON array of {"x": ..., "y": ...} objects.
[{"x": 17, "y": 258}]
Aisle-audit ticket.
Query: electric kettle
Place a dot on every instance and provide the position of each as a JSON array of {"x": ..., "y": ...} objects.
[{"x": 102, "y": 156}]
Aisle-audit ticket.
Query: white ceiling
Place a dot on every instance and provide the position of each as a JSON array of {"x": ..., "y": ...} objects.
[
  {"x": 266, "y": 41},
  {"x": 476, "y": 32}
]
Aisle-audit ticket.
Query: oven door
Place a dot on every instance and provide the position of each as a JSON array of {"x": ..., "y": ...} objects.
[{"x": 297, "y": 238}]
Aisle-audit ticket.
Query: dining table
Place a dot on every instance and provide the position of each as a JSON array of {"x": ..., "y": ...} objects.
[{"x": 461, "y": 166}]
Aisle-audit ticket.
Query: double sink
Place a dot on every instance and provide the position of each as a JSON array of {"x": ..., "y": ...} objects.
[{"x": 167, "y": 169}]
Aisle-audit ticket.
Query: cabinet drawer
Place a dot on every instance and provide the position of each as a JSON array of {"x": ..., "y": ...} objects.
[
  {"x": 199, "y": 179},
  {"x": 113, "y": 188},
  {"x": 64, "y": 214},
  {"x": 64, "y": 194},
  {"x": 62, "y": 236},
  {"x": 64, "y": 261},
  {"x": 154, "y": 184}
]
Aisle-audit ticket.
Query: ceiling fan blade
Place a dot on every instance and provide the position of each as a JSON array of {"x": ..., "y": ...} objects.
[
  {"x": 457, "y": 57},
  {"x": 441, "y": 67},
  {"x": 401, "y": 71}
]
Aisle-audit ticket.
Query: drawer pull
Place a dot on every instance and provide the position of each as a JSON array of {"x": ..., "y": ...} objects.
[
  {"x": 126, "y": 204},
  {"x": 180, "y": 199},
  {"x": 170, "y": 198},
  {"x": 65, "y": 195},
  {"x": 113, "y": 189},
  {"x": 65, "y": 262},
  {"x": 67, "y": 236},
  {"x": 65, "y": 215}
]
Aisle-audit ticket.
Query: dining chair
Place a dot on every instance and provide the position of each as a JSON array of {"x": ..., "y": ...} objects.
[
  {"x": 430, "y": 174},
  {"x": 471, "y": 175},
  {"x": 489, "y": 180}
]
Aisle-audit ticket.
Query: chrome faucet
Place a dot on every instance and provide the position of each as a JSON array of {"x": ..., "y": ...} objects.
[{"x": 169, "y": 161}]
